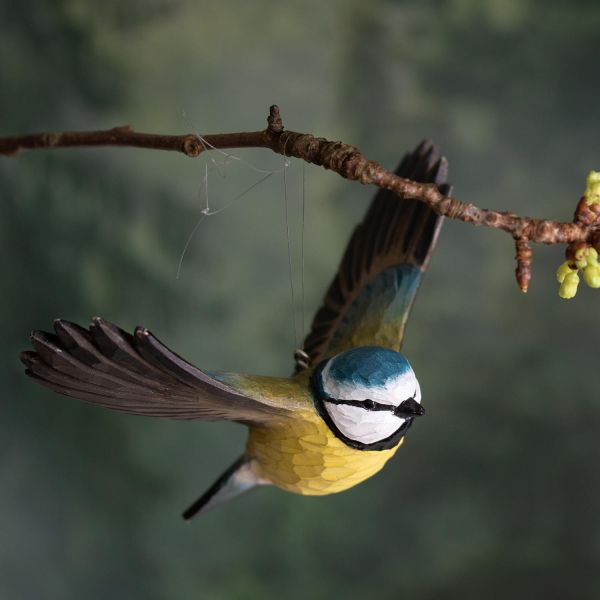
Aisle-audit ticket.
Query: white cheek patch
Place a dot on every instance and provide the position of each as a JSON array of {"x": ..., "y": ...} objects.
[
  {"x": 361, "y": 425},
  {"x": 393, "y": 392}
]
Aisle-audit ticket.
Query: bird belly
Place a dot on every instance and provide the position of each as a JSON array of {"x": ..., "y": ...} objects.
[{"x": 303, "y": 456}]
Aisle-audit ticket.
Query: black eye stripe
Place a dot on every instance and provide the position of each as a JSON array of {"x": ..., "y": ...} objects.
[
  {"x": 371, "y": 405},
  {"x": 367, "y": 404}
]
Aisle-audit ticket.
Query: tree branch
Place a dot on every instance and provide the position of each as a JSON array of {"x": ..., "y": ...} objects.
[{"x": 347, "y": 161}]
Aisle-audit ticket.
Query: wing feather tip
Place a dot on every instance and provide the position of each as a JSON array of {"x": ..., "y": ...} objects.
[
  {"x": 60, "y": 327},
  {"x": 37, "y": 336},
  {"x": 424, "y": 146},
  {"x": 27, "y": 357},
  {"x": 96, "y": 321}
]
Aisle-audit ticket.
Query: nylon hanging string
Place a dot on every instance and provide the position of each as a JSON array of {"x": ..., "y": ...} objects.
[
  {"x": 303, "y": 332},
  {"x": 289, "y": 248}
]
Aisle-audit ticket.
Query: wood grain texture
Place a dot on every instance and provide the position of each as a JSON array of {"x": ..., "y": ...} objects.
[{"x": 304, "y": 456}]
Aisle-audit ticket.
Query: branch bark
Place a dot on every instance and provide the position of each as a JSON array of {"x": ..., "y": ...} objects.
[{"x": 347, "y": 161}]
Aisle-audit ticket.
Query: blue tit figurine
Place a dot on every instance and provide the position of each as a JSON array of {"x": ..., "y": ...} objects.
[{"x": 345, "y": 411}]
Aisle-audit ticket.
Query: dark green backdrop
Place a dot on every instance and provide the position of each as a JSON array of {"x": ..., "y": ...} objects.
[{"x": 496, "y": 492}]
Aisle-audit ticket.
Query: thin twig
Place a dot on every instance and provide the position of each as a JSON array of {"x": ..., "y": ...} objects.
[
  {"x": 348, "y": 162},
  {"x": 188, "y": 144}
]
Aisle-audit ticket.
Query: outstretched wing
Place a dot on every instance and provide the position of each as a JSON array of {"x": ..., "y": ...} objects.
[
  {"x": 371, "y": 295},
  {"x": 138, "y": 374}
]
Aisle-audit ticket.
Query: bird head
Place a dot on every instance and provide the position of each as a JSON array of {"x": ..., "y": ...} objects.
[{"x": 368, "y": 396}]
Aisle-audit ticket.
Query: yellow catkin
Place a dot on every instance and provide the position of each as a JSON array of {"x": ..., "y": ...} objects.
[{"x": 592, "y": 189}]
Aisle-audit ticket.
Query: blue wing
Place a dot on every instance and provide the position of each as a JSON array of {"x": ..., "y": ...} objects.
[{"x": 370, "y": 298}]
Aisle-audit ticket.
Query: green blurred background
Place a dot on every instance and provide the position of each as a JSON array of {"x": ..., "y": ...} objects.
[{"x": 496, "y": 493}]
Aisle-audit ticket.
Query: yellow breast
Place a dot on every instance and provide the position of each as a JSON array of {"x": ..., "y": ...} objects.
[{"x": 302, "y": 455}]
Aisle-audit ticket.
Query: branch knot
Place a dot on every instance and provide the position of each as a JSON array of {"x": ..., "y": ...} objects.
[
  {"x": 191, "y": 146},
  {"x": 275, "y": 124}
]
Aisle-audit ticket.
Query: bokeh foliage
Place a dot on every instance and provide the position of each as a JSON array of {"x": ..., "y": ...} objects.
[{"x": 495, "y": 492}]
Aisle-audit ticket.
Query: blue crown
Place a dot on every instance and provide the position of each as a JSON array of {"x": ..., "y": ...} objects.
[{"x": 369, "y": 366}]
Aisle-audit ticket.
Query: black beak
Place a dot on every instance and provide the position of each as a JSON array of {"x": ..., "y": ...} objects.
[{"x": 409, "y": 408}]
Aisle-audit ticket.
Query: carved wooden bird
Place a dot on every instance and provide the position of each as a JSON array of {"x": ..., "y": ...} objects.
[{"x": 345, "y": 411}]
